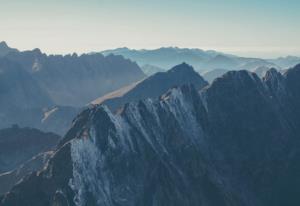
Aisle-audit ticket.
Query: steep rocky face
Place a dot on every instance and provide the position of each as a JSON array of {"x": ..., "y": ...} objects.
[
  {"x": 156, "y": 85},
  {"x": 236, "y": 142},
  {"x": 17, "y": 145},
  {"x": 41, "y": 187},
  {"x": 74, "y": 80}
]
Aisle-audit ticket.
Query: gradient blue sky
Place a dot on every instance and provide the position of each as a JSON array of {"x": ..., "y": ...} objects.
[{"x": 265, "y": 28}]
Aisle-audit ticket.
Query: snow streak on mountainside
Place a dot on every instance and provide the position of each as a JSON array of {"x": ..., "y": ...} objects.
[{"x": 236, "y": 142}]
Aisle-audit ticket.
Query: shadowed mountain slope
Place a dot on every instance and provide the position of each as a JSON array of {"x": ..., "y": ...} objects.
[
  {"x": 236, "y": 142},
  {"x": 17, "y": 145},
  {"x": 154, "y": 86}
]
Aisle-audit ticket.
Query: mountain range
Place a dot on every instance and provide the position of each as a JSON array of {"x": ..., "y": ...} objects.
[
  {"x": 34, "y": 85},
  {"x": 201, "y": 60},
  {"x": 74, "y": 80},
  {"x": 165, "y": 138},
  {"x": 211, "y": 75},
  {"x": 179, "y": 75},
  {"x": 233, "y": 142},
  {"x": 48, "y": 91}
]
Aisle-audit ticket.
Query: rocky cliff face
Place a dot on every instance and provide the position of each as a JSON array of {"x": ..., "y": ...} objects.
[{"x": 235, "y": 142}]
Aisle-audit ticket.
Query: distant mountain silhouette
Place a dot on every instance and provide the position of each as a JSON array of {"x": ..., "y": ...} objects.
[
  {"x": 5, "y": 49},
  {"x": 221, "y": 61},
  {"x": 213, "y": 74},
  {"x": 19, "y": 89},
  {"x": 58, "y": 119},
  {"x": 34, "y": 85},
  {"x": 261, "y": 71},
  {"x": 149, "y": 69},
  {"x": 74, "y": 80},
  {"x": 166, "y": 57},
  {"x": 254, "y": 63},
  {"x": 154, "y": 86},
  {"x": 201, "y": 60},
  {"x": 286, "y": 62},
  {"x": 22, "y": 97}
]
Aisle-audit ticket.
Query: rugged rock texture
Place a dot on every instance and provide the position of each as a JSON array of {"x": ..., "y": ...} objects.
[
  {"x": 236, "y": 142},
  {"x": 9, "y": 179},
  {"x": 154, "y": 86}
]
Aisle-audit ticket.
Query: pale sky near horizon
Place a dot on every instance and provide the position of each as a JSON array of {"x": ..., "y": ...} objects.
[{"x": 261, "y": 28}]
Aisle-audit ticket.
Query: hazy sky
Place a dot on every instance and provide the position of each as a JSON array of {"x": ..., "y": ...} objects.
[{"x": 246, "y": 27}]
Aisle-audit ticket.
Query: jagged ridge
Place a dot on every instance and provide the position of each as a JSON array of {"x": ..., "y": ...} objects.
[{"x": 233, "y": 143}]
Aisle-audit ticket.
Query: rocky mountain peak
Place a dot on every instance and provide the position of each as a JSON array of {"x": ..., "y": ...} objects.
[
  {"x": 3, "y": 45},
  {"x": 235, "y": 80},
  {"x": 5, "y": 49},
  {"x": 182, "y": 68},
  {"x": 272, "y": 74},
  {"x": 154, "y": 86}
]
